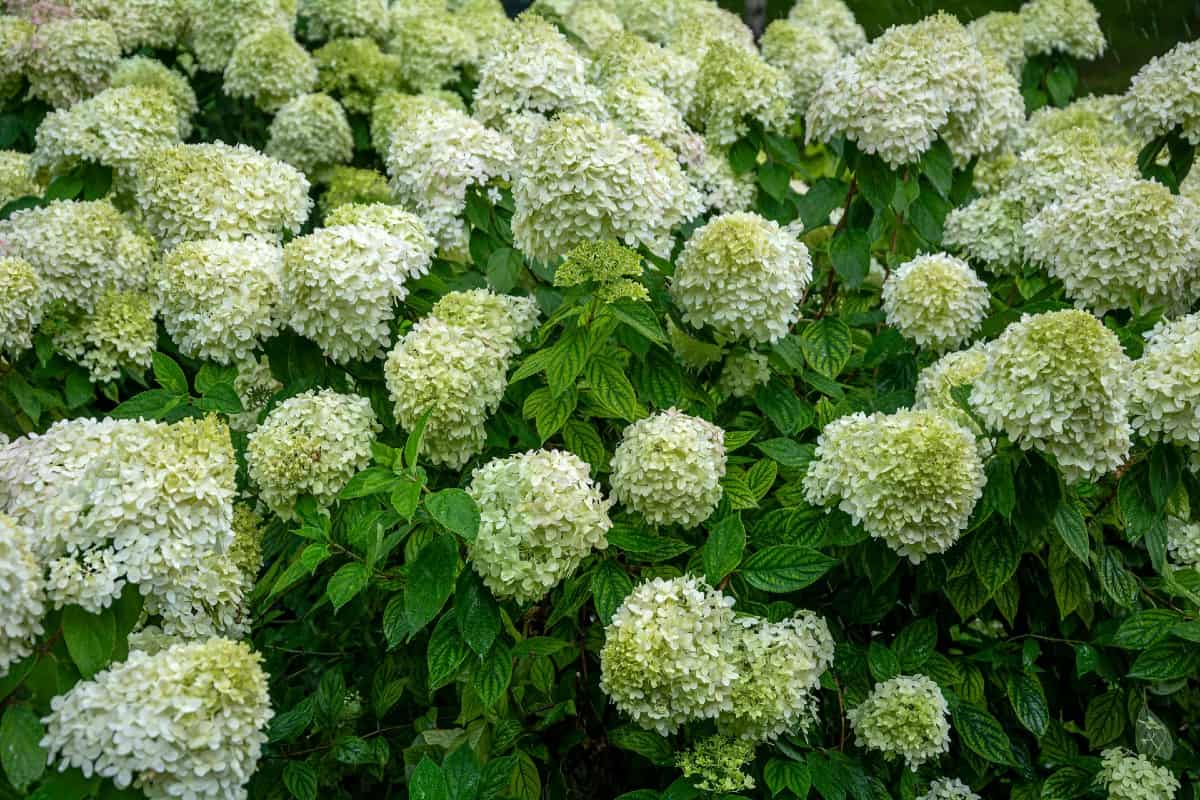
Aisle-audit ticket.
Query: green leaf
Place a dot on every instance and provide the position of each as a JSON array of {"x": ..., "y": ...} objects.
[
  {"x": 774, "y": 179},
  {"x": 876, "y": 181},
  {"x": 90, "y": 638},
  {"x": 496, "y": 777},
  {"x": 1115, "y": 580},
  {"x": 995, "y": 554},
  {"x": 785, "y": 568},
  {"x": 850, "y": 252},
  {"x": 1060, "y": 84},
  {"x": 735, "y": 488},
  {"x": 611, "y": 387},
  {"x": 476, "y": 612},
  {"x": 786, "y": 452},
  {"x": 640, "y": 317},
  {"x": 406, "y": 496},
  {"x": 581, "y": 438},
  {"x": 550, "y": 412},
  {"x": 455, "y": 511},
  {"x": 610, "y": 586},
  {"x": 937, "y": 164},
  {"x": 916, "y": 643},
  {"x": 428, "y": 782},
  {"x": 1068, "y": 521},
  {"x": 220, "y": 397},
  {"x": 1145, "y": 628},
  {"x": 346, "y": 583},
  {"x": 1104, "y": 720},
  {"x": 445, "y": 654},
  {"x": 21, "y": 755},
  {"x": 1167, "y": 661},
  {"x": 645, "y": 546},
  {"x": 1065, "y": 784},
  {"x": 151, "y": 405},
  {"x": 372, "y": 480},
  {"x": 882, "y": 662},
  {"x": 1028, "y": 701},
  {"x": 982, "y": 734},
  {"x": 565, "y": 360},
  {"x": 826, "y": 346},
  {"x": 169, "y": 374},
  {"x": 781, "y": 774},
  {"x": 430, "y": 581},
  {"x": 1152, "y": 736},
  {"x": 647, "y": 744},
  {"x": 723, "y": 550},
  {"x": 493, "y": 674},
  {"x": 787, "y": 412},
  {"x": 504, "y": 268},
  {"x": 526, "y": 783},
  {"x": 743, "y": 155},
  {"x": 300, "y": 779},
  {"x": 412, "y": 445}
]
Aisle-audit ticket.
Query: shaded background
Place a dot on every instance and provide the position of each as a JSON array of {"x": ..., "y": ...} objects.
[{"x": 1136, "y": 29}]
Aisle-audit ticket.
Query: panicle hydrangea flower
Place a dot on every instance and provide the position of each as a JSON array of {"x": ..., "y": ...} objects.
[
  {"x": 311, "y": 132},
  {"x": 715, "y": 765},
  {"x": 453, "y": 365},
  {"x": 534, "y": 68},
  {"x": 331, "y": 19},
  {"x": 1001, "y": 34},
  {"x": 702, "y": 25},
  {"x": 906, "y": 717},
  {"x": 914, "y": 83},
  {"x": 613, "y": 271},
  {"x": 185, "y": 722},
  {"x": 668, "y": 468},
  {"x": 1183, "y": 542},
  {"x": 70, "y": 59},
  {"x": 935, "y": 382},
  {"x": 592, "y": 23},
  {"x": 15, "y": 36},
  {"x": 119, "y": 333},
  {"x": 16, "y": 178},
  {"x": 629, "y": 55},
  {"x": 1119, "y": 244},
  {"x": 433, "y": 49},
  {"x": 79, "y": 249},
  {"x": 910, "y": 478},
  {"x": 779, "y": 667},
  {"x": 352, "y": 185},
  {"x": 115, "y": 128},
  {"x": 803, "y": 52},
  {"x": 218, "y": 25},
  {"x": 723, "y": 190},
  {"x": 487, "y": 21},
  {"x": 735, "y": 84},
  {"x": 642, "y": 110},
  {"x": 340, "y": 286},
  {"x": 434, "y": 157},
  {"x": 666, "y": 658},
  {"x": 541, "y": 514},
  {"x": 1066, "y": 26},
  {"x": 1164, "y": 392},
  {"x": 989, "y": 230},
  {"x": 215, "y": 191},
  {"x": 356, "y": 71},
  {"x": 152, "y": 74},
  {"x": 312, "y": 443},
  {"x": 1067, "y": 163},
  {"x": 23, "y": 588},
  {"x": 255, "y": 386},
  {"x": 1057, "y": 382},
  {"x": 392, "y": 111},
  {"x": 744, "y": 276},
  {"x": 269, "y": 67},
  {"x": 742, "y": 373},
  {"x": 155, "y": 24},
  {"x": 992, "y": 169},
  {"x": 218, "y": 298},
  {"x": 582, "y": 180},
  {"x": 948, "y": 789},
  {"x": 936, "y": 300},
  {"x": 1133, "y": 776},
  {"x": 1099, "y": 113},
  {"x": 404, "y": 227},
  {"x": 1165, "y": 93},
  {"x": 21, "y": 304},
  {"x": 832, "y": 17}
]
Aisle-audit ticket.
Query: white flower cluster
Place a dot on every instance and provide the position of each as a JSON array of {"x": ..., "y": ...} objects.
[
  {"x": 119, "y": 332},
  {"x": 627, "y": 55},
  {"x": 935, "y": 382},
  {"x": 580, "y": 180},
  {"x": 16, "y": 179},
  {"x": 218, "y": 298},
  {"x": 332, "y": 19},
  {"x": 541, "y": 514},
  {"x": 15, "y": 34},
  {"x": 1164, "y": 390},
  {"x": 804, "y": 52},
  {"x": 217, "y": 26},
  {"x": 24, "y": 592},
  {"x": 833, "y": 18},
  {"x": 68, "y": 60},
  {"x": 906, "y": 717},
  {"x": 1183, "y": 542},
  {"x": 742, "y": 275},
  {"x": 668, "y": 468},
  {"x": 184, "y": 722},
  {"x": 113, "y": 502},
  {"x": 434, "y": 156},
  {"x": 643, "y": 110},
  {"x": 1165, "y": 93},
  {"x": 114, "y": 128},
  {"x": 734, "y": 84},
  {"x": 910, "y": 478},
  {"x": 936, "y": 300},
  {"x": 1067, "y": 26},
  {"x": 311, "y": 132},
  {"x": 214, "y": 191},
  {"x": 722, "y": 190},
  {"x": 948, "y": 789},
  {"x": 1058, "y": 382},
  {"x": 912, "y": 85},
  {"x": 1132, "y": 776},
  {"x": 1001, "y": 35},
  {"x": 340, "y": 286},
  {"x": 742, "y": 373},
  {"x": 21, "y": 304},
  {"x": 269, "y": 67},
  {"x": 313, "y": 443},
  {"x": 715, "y": 764},
  {"x": 1120, "y": 244},
  {"x": 152, "y": 74},
  {"x": 453, "y": 366},
  {"x": 435, "y": 50}
]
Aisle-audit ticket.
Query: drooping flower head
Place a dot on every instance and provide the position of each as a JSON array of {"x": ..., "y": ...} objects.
[
  {"x": 433, "y": 49},
  {"x": 1001, "y": 34},
  {"x": 905, "y": 717},
  {"x": 118, "y": 333},
  {"x": 628, "y": 55},
  {"x": 936, "y": 382},
  {"x": 936, "y": 300},
  {"x": 742, "y": 373},
  {"x": 15, "y": 178},
  {"x": 348, "y": 185}
]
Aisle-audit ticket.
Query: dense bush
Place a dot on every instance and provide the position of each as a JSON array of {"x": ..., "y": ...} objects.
[{"x": 415, "y": 402}]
